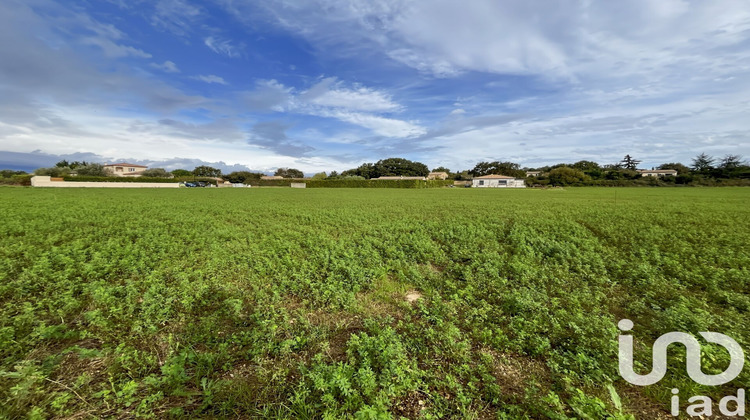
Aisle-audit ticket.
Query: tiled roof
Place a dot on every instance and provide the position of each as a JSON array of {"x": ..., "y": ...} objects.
[
  {"x": 130, "y": 165},
  {"x": 493, "y": 176}
]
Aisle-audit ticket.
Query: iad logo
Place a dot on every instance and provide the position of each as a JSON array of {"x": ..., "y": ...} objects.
[
  {"x": 693, "y": 348},
  {"x": 693, "y": 362}
]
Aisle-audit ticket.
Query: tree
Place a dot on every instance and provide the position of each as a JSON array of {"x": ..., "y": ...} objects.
[
  {"x": 333, "y": 175},
  {"x": 628, "y": 162},
  {"x": 241, "y": 177},
  {"x": 181, "y": 173},
  {"x": 388, "y": 167},
  {"x": 207, "y": 171},
  {"x": 320, "y": 175},
  {"x": 462, "y": 176},
  {"x": 566, "y": 176},
  {"x": 703, "y": 163},
  {"x": 588, "y": 167},
  {"x": 365, "y": 170},
  {"x": 732, "y": 166},
  {"x": 156, "y": 173},
  {"x": 730, "y": 162},
  {"x": 680, "y": 168},
  {"x": 498, "y": 168},
  {"x": 399, "y": 167},
  {"x": 289, "y": 173},
  {"x": 92, "y": 169},
  {"x": 442, "y": 169},
  {"x": 72, "y": 165}
]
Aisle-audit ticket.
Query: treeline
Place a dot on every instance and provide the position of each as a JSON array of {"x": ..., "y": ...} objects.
[{"x": 703, "y": 170}]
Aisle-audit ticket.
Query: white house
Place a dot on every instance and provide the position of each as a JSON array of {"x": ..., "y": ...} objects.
[
  {"x": 497, "y": 181},
  {"x": 658, "y": 172}
]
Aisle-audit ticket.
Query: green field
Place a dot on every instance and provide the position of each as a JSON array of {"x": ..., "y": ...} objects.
[{"x": 292, "y": 303}]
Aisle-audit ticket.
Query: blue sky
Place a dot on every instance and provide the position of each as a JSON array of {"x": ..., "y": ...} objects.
[{"x": 325, "y": 85}]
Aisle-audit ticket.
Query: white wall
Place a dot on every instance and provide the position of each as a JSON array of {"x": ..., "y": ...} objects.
[
  {"x": 44, "y": 181},
  {"x": 499, "y": 183}
]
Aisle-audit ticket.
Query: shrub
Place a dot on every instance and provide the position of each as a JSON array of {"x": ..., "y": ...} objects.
[
  {"x": 374, "y": 183},
  {"x": 156, "y": 173},
  {"x": 53, "y": 172},
  {"x": 93, "y": 169}
]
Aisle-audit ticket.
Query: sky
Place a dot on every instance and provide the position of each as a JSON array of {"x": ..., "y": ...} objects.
[{"x": 323, "y": 85}]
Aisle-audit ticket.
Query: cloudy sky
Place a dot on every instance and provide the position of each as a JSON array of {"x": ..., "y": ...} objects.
[{"x": 328, "y": 84}]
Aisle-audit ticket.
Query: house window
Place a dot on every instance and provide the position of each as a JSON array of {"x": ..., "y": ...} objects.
[
  {"x": 481, "y": 182},
  {"x": 131, "y": 169}
]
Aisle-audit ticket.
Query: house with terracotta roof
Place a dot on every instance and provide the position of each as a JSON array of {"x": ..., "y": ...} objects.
[
  {"x": 125, "y": 169},
  {"x": 497, "y": 181},
  {"x": 438, "y": 175}
]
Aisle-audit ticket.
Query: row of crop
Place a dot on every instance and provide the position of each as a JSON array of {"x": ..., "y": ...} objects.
[{"x": 222, "y": 316}]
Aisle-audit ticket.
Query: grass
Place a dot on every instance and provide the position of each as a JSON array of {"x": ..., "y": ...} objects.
[{"x": 281, "y": 303}]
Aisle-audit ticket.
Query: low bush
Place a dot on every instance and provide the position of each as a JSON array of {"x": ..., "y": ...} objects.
[{"x": 377, "y": 183}]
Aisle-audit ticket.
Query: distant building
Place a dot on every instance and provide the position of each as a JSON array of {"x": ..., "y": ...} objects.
[
  {"x": 497, "y": 181},
  {"x": 438, "y": 175},
  {"x": 657, "y": 172},
  {"x": 401, "y": 177},
  {"x": 125, "y": 169},
  {"x": 271, "y": 177},
  {"x": 533, "y": 173}
]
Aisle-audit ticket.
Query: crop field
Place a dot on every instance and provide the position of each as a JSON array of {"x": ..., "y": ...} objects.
[{"x": 362, "y": 303}]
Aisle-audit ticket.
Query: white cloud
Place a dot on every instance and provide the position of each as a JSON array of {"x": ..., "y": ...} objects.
[
  {"x": 330, "y": 98},
  {"x": 176, "y": 16},
  {"x": 167, "y": 67},
  {"x": 387, "y": 127},
  {"x": 222, "y": 46},
  {"x": 114, "y": 50},
  {"x": 330, "y": 93},
  {"x": 558, "y": 40},
  {"x": 211, "y": 79},
  {"x": 269, "y": 95}
]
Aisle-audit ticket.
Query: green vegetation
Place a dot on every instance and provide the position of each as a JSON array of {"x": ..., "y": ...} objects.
[
  {"x": 377, "y": 183},
  {"x": 156, "y": 173},
  {"x": 281, "y": 303},
  {"x": 289, "y": 173},
  {"x": 11, "y": 177},
  {"x": 388, "y": 167},
  {"x": 83, "y": 178}
]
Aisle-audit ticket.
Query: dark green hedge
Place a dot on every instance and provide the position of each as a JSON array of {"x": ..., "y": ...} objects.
[
  {"x": 116, "y": 179},
  {"x": 272, "y": 182},
  {"x": 374, "y": 183}
]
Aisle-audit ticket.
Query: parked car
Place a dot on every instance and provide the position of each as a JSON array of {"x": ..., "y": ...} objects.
[{"x": 196, "y": 184}]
